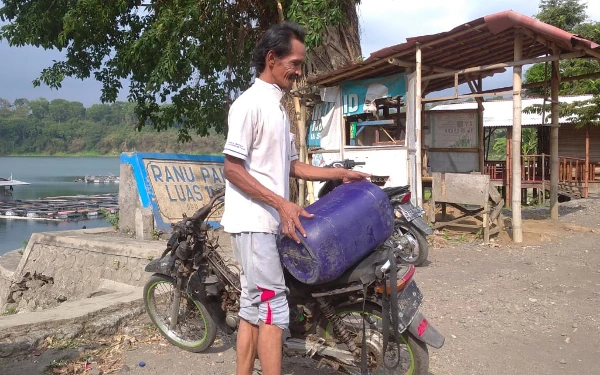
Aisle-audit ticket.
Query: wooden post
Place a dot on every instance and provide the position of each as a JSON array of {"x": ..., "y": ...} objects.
[
  {"x": 543, "y": 178},
  {"x": 517, "y": 229},
  {"x": 586, "y": 169},
  {"x": 480, "y": 128},
  {"x": 301, "y": 124},
  {"x": 508, "y": 171},
  {"x": 418, "y": 143},
  {"x": 554, "y": 142}
]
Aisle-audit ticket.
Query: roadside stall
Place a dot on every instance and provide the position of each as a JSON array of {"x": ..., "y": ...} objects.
[
  {"x": 365, "y": 121},
  {"x": 437, "y": 62}
]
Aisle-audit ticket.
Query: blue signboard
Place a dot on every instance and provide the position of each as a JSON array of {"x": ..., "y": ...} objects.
[
  {"x": 316, "y": 125},
  {"x": 175, "y": 184},
  {"x": 358, "y": 96}
]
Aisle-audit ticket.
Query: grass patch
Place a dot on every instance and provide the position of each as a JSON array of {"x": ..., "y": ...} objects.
[{"x": 10, "y": 311}]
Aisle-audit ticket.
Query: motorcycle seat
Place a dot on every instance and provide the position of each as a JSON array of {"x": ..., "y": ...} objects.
[
  {"x": 396, "y": 190},
  {"x": 363, "y": 269}
]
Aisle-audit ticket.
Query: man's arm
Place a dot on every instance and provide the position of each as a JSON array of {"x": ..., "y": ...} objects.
[
  {"x": 309, "y": 172},
  {"x": 289, "y": 213}
]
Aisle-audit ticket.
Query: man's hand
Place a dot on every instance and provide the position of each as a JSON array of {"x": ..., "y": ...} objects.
[
  {"x": 289, "y": 215},
  {"x": 352, "y": 176}
]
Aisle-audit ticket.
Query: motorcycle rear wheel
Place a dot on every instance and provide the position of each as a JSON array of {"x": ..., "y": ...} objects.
[
  {"x": 195, "y": 330},
  {"x": 419, "y": 247},
  {"x": 414, "y": 355}
]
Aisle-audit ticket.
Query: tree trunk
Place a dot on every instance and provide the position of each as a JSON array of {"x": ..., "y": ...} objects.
[{"x": 341, "y": 47}]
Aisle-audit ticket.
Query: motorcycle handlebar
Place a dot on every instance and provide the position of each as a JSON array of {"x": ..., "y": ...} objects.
[{"x": 346, "y": 164}]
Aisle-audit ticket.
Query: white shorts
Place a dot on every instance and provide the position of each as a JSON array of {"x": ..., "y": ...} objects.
[{"x": 263, "y": 285}]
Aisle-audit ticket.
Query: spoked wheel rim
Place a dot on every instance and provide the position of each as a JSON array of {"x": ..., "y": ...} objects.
[
  {"x": 412, "y": 252},
  {"x": 191, "y": 325},
  {"x": 354, "y": 324}
]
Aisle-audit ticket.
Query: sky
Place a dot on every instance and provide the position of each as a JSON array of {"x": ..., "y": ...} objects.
[{"x": 382, "y": 22}]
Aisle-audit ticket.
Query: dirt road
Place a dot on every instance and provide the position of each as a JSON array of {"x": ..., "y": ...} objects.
[{"x": 504, "y": 309}]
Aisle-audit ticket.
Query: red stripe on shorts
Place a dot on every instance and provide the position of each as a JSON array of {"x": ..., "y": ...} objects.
[
  {"x": 266, "y": 294},
  {"x": 269, "y": 318}
]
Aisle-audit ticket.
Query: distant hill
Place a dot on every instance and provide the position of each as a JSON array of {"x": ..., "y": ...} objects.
[{"x": 61, "y": 127}]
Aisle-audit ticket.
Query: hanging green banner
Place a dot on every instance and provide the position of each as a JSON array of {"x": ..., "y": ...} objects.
[{"x": 359, "y": 96}]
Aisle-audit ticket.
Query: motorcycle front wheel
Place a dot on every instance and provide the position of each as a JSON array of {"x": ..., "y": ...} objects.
[
  {"x": 195, "y": 330},
  {"x": 414, "y": 356}
]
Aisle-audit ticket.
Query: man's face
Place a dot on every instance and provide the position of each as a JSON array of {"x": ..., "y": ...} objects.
[{"x": 286, "y": 69}]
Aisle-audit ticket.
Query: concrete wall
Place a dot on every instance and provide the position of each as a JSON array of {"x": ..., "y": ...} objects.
[
  {"x": 129, "y": 199},
  {"x": 73, "y": 265}
]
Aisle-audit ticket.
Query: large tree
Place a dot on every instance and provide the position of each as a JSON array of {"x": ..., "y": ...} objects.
[
  {"x": 192, "y": 54},
  {"x": 569, "y": 15}
]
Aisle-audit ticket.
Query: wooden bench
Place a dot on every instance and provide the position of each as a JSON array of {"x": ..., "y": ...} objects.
[{"x": 461, "y": 189}]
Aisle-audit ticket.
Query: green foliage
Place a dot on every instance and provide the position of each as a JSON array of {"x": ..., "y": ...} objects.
[
  {"x": 564, "y": 14},
  {"x": 567, "y": 68},
  {"x": 194, "y": 54},
  {"x": 581, "y": 113},
  {"x": 156, "y": 234},
  {"x": 61, "y": 127},
  {"x": 569, "y": 15},
  {"x": 529, "y": 143},
  {"x": 112, "y": 219},
  {"x": 10, "y": 311},
  {"x": 315, "y": 16}
]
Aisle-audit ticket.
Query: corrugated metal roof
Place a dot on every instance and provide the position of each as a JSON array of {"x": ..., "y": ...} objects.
[
  {"x": 486, "y": 40},
  {"x": 498, "y": 113}
]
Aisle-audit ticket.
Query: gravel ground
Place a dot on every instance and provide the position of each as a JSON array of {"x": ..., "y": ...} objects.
[{"x": 530, "y": 308}]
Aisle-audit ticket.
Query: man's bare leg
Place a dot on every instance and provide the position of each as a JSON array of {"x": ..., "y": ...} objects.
[
  {"x": 269, "y": 348},
  {"x": 246, "y": 348}
]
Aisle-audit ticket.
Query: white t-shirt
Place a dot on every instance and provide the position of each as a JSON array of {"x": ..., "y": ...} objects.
[{"x": 259, "y": 134}]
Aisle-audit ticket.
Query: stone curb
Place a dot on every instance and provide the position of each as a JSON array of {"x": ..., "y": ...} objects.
[{"x": 99, "y": 316}]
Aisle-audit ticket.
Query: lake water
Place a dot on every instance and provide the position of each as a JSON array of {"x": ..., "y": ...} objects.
[{"x": 52, "y": 176}]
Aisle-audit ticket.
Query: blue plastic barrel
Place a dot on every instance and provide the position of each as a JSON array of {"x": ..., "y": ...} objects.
[{"x": 348, "y": 224}]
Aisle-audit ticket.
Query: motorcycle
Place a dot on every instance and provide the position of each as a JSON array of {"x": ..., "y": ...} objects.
[
  {"x": 410, "y": 229},
  {"x": 366, "y": 321}
]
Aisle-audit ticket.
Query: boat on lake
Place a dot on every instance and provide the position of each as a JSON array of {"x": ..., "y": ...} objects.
[
  {"x": 7, "y": 187},
  {"x": 110, "y": 178}
]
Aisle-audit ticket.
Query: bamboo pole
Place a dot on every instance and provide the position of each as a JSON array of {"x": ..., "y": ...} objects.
[
  {"x": 280, "y": 11},
  {"x": 515, "y": 63},
  {"x": 480, "y": 128},
  {"x": 554, "y": 142},
  {"x": 517, "y": 228},
  {"x": 300, "y": 124},
  {"x": 508, "y": 89},
  {"x": 508, "y": 172},
  {"x": 476, "y": 88},
  {"x": 418, "y": 145},
  {"x": 466, "y": 96}
]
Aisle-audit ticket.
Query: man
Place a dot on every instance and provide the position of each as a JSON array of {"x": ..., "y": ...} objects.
[{"x": 260, "y": 156}]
